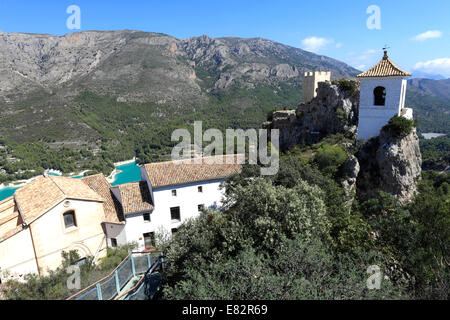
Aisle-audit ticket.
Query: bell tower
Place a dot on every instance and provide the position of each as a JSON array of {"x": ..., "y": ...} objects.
[{"x": 382, "y": 95}]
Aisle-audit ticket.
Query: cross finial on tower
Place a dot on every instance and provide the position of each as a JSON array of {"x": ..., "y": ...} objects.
[{"x": 385, "y": 52}]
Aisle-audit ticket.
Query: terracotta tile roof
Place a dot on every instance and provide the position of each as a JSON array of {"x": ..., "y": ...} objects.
[
  {"x": 10, "y": 220},
  {"x": 43, "y": 193},
  {"x": 111, "y": 206},
  {"x": 135, "y": 197},
  {"x": 8, "y": 210},
  {"x": 384, "y": 68},
  {"x": 169, "y": 173}
]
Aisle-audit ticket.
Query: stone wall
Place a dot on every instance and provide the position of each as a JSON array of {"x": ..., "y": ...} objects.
[
  {"x": 311, "y": 83},
  {"x": 333, "y": 111}
]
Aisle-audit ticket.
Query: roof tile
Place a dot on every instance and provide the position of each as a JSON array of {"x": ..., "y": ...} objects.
[
  {"x": 385, "y": 68},
  {"x": 111, "y": 206},
  {"x": 135, "y": 197},
  {"x": 43, "y": 193},
  {"x": 177, "y": 172}
]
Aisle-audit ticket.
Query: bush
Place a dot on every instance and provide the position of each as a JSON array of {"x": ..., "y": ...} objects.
[
  {"x": 400, "y": 127},
  {"x": 53, "y": 286},
  {"x": 330, "y": 158},
  {"x": 346, "y": 85},
  {"x": 270, "y": 114}
]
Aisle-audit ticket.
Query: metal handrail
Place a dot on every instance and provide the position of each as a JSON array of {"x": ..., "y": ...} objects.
[
  {"x": 111, "y": 274},
  {"x": 150, "y": 270}
]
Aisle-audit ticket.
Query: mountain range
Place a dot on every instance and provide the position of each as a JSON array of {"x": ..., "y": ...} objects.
[{"x": 125, "y": 91}]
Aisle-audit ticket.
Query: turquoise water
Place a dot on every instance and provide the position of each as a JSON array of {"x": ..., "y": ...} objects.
[
  {"x": 129, "y": 173},
  {"x": 7, "y": 192}
]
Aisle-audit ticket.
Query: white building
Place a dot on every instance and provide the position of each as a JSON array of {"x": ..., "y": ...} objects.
[
  {"x": 54, "y": 214},
  {"x": 382, "y": 95},
  {"x": 169, "y": 194},
  {"x": 46, "y": 217}
]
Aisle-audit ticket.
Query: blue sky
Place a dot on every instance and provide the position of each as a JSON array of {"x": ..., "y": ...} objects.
[{"x": 418, "y": 32}]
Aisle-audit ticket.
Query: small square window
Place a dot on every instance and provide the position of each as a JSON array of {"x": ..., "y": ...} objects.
[
  {"x": 113, "y": 242},
  {"x": 174, "y": 193},
  {"x": 69, "y": 219},
  {"x": 147, "y": 217},
  {"x": 174, "y": 231},
  {"x": 175, "y": 213},
  {"x": 200, "y": 189},
  {"x": 201, "y": 207}
]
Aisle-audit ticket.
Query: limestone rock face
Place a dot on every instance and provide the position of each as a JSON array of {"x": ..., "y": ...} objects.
[
  {"x": 333, "y": 111},
  {"x": 390, "y": 164},
  {"x": 350, "y": 172}
]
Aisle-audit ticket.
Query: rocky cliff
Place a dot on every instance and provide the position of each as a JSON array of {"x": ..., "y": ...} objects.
[
  {"x": 387, "y": 163},
  {"x": 334, "y": 110},
  {"x": 390, "y": 164}
]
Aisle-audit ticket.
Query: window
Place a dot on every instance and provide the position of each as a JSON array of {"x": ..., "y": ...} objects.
[
  {"x": 175, "y": 213},
  {"x": 200, "y": 189},
  {"x": 379, "y": 96},
  {"x": 201, "y": 207},
  {"x": 149, "y": 240},
  {"x": 174, "y": 231},
  {"x": 69, "y": 219},
  {"x": 174, "y": 193},
  {"x": 147, "y": 217},
  {"x": 113, "y": 242}
]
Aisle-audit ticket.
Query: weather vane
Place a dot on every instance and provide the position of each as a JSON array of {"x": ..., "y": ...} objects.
[{"x": 386, "y": 47}]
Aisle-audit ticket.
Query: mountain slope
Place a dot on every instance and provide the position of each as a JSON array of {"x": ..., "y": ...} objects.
[
  {"x": 226, "y": 81},
  {"x": 121, "y": 93},
  {"x": 430, "y": 100}
]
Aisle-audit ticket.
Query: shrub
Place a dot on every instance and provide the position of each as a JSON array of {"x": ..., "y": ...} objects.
[
  {"x": 270, "y": 114},
  {"x": 400, "y": 126},
  {"x": 345, "y": 85},
  {"x": 330, "y": 158}
]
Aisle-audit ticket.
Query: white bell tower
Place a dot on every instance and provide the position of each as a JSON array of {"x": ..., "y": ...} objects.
[{"x": 382, "y": 95}]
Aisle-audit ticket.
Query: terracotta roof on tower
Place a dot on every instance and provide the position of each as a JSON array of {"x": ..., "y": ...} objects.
[
  {"x": 135, "y": 197},
  {"x": 111, "y": 206},
  {"x": 177, "y": 172},
  {"x": 384, "y": 68}
]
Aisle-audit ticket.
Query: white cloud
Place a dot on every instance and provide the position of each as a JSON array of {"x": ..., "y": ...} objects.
[
  {"x": 436, "y": 66},
  {"x": 315, "y": 44},
  {"x": 361, "y": 67},
  {"x": 432, "y": 34},
  {"x": 339, "y": 45},
  {"x": 360, "y": 60}
]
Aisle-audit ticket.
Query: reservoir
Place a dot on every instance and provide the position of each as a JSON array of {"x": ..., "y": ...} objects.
[{"x": 130, "y": 172}]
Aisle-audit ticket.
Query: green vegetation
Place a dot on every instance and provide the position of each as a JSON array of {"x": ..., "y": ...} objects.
[
  {"x": 31, "y": 159},
  {"x": 297, "y": 236},
  {"x": 330, "y": 158},
  {"x": 431, "y": 111},
  {"x": 400, "y": 126},
  {"x": 349, "y": 86},
  {"x": 53, "y": 286},
  {"x": 435, "y": 148}
]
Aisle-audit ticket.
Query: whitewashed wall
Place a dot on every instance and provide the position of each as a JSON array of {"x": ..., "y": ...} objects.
[
  {"x": 51, "y": 237},
  {"x": 17, "y": 256},
  {"x": 373, "y": 118},
  {"x": 188, "y": 198},
  {"x": 116, "y": 231}
]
